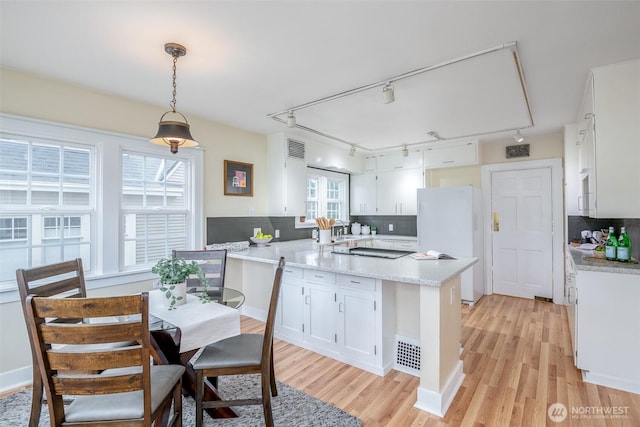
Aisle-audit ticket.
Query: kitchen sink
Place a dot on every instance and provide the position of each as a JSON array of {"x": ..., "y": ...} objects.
[{"x": 372, "y": 252}]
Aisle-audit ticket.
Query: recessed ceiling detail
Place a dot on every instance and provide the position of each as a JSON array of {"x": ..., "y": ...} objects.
[{"x": 479, "y": 94}]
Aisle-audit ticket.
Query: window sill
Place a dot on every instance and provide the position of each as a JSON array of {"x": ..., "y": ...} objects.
[{"x": 9, "y": 293}]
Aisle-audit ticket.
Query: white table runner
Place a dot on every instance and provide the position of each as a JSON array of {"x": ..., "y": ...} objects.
[{"x": 201, "y": 324}]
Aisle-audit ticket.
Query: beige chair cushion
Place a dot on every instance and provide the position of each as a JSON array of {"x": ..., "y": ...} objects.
[
  {"x": 124, "y": 405},
  {"x": 241, "y": 350}
]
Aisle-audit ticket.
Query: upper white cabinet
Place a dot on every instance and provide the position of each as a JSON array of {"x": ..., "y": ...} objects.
[
  {"x": 389, "y": 186},
  {"x": 363, "y": 194},
  {"x": 397, "y": 191},
  {"x": 287, "y": 170},
  {"x": 610, "y": 148},
  {"x": 451, "y": 153}
]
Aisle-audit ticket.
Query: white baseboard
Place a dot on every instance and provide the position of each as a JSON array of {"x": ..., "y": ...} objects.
[
  {"x": 618, "y": 383},
  {"x": 438, "y": 403},
  {"x": 17, "y": 378}
]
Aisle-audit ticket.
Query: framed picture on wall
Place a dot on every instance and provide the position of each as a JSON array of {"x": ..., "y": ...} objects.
[{"x": 238, "y": 178}]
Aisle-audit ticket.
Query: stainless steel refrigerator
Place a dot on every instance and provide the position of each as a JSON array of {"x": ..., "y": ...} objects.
[{"x": 450, "y": 221}]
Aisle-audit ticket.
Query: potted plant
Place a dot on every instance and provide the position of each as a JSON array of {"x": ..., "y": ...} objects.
[{"x": 173, "y": 274}]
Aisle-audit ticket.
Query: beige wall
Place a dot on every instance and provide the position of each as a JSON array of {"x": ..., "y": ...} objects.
[
  {"x": 549, "y": 146},
  {"x": 31, "y": 96}
]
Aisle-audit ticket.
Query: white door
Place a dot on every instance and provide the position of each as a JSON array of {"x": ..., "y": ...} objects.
[{"x": 522, "y": 233}]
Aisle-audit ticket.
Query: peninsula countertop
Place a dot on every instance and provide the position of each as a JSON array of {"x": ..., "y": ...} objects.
[{"x": 306, "y": 253}]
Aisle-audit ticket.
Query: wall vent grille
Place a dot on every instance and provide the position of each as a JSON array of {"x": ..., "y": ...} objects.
[
  {"x": 295, "y": 149},
  {"x": 407, "y": 355}
]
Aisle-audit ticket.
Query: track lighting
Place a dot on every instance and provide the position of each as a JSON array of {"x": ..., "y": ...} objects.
[
  {"x": 291, "y": 120},
  {"x": 518, "y": 137},
  {"x": 405, "y": 151},
  {"x": 170, "y": 132},
  {"x": 352, "y": 151},
  {"x": 387, "y": 92}
]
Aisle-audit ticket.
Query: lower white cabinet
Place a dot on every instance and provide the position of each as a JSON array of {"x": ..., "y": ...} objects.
[
  {"x": 336, "y": 315},
  {"x": 290, "y": 313},
  {"x": 607, "y": 342},
  {"x": 319, "y": 310}
]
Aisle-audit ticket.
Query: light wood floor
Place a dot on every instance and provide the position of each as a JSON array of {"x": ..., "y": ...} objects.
[{"x": 517, "y": 361}]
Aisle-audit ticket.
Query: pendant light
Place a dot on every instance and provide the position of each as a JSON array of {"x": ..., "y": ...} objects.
[{"x": 170, "y": 132}]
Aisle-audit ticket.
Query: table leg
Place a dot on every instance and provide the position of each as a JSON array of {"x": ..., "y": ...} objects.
[{"x": 166, "y": 347}]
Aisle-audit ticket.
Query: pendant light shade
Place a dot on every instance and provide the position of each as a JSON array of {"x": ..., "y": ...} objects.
[
  {"x": 174, "y": 134},
  {"x": 171, "y": 132}
]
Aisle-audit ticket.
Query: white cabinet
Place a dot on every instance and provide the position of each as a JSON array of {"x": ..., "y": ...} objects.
[
  {"x": 402, "y": 245},
  {"x": 395, "y": 161},
  {"x": 319, "y": 308},
  {"x": 337, "y": 315},
  {"x": 391, "y": 189},
  {"x": 356, "y": 331},
  {"x": 451, "y": 153},
  {"x": 290, "y": 314},
  {"x": 607, "y": 343},
  {"x": 287, "y": 171},
  {"x": 610, "y": 176},
  {"x": 397, "y": 191},
  {"x": 363, "y": 194}
]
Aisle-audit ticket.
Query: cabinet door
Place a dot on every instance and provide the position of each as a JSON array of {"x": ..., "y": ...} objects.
[
  {"x": 320, "y": 317},
  {"x": 616, "y": 102},
  {"x": 296, "y": 187},
  {"x": 397, "y": 191},
  {"x": 441, "y": 155},
  {"x": 357, "y": 321},
  {"x": 363, "y": 194},
  {"x": 291, "y": 310}
]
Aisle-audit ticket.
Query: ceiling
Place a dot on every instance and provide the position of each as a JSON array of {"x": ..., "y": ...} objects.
[{"x": 249, "y": 59}]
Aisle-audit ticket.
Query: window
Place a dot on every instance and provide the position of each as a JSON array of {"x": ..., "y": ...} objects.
[
  {"x": 327, "y": 194},
  {"x": 47, "y": 194},
  {"x": 116, "y": 201},
  {"x": 154, "y": 204}
]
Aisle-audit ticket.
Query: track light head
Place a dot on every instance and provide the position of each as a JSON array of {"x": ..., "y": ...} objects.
[
  {"x": 405, "y": 151},
  {"x": 518, "y": 137},
  {"x": 388, "y": 93},
  {"x": 291, "y": 120},
  {"x": 352, "y": 151}
]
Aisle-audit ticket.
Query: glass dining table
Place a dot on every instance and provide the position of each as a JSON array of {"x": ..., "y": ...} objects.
[{"x": 177, "y": 335}]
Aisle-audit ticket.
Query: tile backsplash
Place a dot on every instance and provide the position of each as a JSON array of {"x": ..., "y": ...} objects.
[
  {"x": 578, "y": 223},
  {"x": 239, "y": 228}
]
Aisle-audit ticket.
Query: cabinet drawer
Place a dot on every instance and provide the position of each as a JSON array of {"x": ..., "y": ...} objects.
[
  {"x": 358, "y": 282},
  {"x": 317, "y": 276},
  {"x": 292, "y": 273}
]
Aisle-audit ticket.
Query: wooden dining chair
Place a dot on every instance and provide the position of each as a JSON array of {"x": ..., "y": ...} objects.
[
  {"x": 63, "y": 279},
  {"x": 128, "y": 390},
  {"x": 240, "y": 355},
  {"x": 212, "y": 263}
]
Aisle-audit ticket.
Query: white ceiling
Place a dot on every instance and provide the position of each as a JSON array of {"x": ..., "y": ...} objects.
[{"x": 247, "y": 59}]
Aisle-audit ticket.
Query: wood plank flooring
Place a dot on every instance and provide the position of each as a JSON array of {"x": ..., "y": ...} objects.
[{"x": 517, "y": 361}]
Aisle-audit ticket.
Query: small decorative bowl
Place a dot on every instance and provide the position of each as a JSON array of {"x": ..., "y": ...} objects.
[{"x": 260, "y": 242}]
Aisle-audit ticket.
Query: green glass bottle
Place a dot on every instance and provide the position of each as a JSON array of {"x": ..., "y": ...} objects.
[
  {"x": 624, "y": 246},
  {"x": 611, "y": 246}
]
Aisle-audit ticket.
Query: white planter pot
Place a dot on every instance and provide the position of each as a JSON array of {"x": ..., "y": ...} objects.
[{"x": 175, "y": 294}]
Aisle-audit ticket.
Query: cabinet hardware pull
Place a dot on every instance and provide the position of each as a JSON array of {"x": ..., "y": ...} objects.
[
  {"x": 355, "y": 281},
  {"x": 340, "y": 308}
]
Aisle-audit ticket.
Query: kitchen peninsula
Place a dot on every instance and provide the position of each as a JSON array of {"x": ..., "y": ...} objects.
[{"x": 356, "y": 297}]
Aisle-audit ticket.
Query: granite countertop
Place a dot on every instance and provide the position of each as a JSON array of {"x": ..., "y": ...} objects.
[
  {"x": 578, "y": 256},
  {"x": 306, "y": 254}
]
